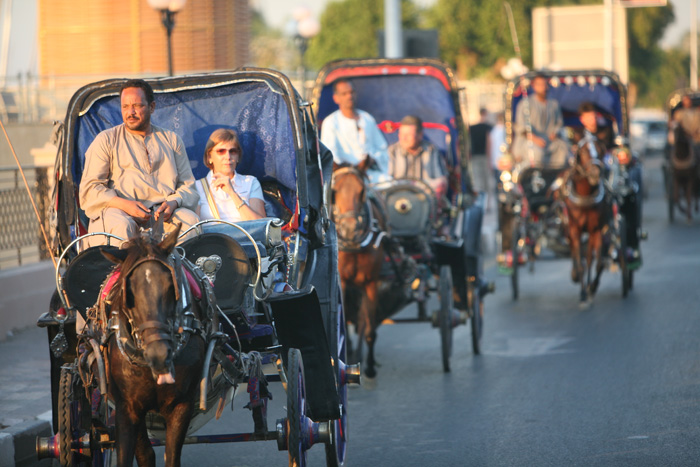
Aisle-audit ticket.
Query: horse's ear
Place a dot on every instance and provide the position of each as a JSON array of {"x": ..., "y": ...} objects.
[
  {"x": 364, "y": 165},
  {"x": 170, "y": 240},
  {"x": 117, "y": 257},
  {"x": 336, "y": 166}
]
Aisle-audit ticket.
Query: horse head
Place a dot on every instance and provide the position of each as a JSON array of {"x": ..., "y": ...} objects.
[
  {"x": 587, "y": 170},
  {"x": 349, "y": 201},
  {"x": 146, "y": 295}
]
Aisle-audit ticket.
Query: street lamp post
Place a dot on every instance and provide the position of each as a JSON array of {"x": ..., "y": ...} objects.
[
  {"x": 168, "y": 9},
  {"x": 305, "y": 28}
]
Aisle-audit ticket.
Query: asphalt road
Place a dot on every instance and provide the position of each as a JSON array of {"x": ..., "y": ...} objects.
[{"x": 617, "y": 384}]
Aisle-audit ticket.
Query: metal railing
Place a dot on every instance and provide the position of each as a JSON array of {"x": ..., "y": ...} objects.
[{"x": 21, "y": 241}]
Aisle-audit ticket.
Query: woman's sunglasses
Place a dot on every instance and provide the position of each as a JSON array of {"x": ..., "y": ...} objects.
[{"x": 223, "y": 151}]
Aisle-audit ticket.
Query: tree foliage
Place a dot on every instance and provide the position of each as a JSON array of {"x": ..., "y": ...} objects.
[{"x": 349, "y": 29}]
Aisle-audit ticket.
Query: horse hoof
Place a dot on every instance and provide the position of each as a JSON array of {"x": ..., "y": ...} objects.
[{"x": 370, "y": 373}]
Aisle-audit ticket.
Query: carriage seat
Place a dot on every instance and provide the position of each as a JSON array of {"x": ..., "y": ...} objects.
[{"x": 84, "y": 277}]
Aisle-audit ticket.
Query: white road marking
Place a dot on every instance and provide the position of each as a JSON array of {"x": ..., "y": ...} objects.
[{"x": 531, "y": 347}]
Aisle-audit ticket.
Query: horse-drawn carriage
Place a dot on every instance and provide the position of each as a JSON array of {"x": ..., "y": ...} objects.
[
  {"x": 421, "y": 244},
  {"x": 532, "y": 206},
  {"x": 680, "y": 168},
  {"x": 254, "y": 302}
]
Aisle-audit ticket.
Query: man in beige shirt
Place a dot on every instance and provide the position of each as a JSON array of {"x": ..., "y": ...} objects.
[{"x": 137, "y": 171}]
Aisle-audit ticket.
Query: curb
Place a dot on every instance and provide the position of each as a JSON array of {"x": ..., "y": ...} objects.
[{"x": 18, "y": 444}]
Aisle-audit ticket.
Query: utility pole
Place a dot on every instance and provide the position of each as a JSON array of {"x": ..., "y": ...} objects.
[
  {"x": 694, "y": 45},
  {"x": 393, "y": 36},
  {"x": 609, "y": 47}
]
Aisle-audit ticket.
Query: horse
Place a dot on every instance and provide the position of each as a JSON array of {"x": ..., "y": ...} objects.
[
  {"x": 684, "y": 174},
  {"x": 361, "y": 231},
  {"x": 152, "y": 364},
  {"x": 587, "y": 209}
]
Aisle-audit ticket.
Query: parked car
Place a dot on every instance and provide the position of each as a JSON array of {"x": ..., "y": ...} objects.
[{"x": 648, "y": 131}]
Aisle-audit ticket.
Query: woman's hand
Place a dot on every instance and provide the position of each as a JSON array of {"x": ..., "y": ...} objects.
[{"x": 223, "y": 182}]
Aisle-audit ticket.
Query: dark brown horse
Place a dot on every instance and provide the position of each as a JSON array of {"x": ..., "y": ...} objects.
[
  {"x": 361, "y": 229},
  {"x": 684, "y": 173},
  {"x": 150, "y": 366},
  {"x": 584, "y": 196}
]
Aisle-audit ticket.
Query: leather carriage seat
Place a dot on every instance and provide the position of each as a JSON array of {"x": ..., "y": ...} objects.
[{"x": 85, "y": 275}]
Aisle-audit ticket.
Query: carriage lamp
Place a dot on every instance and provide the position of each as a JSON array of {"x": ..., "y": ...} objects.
[{"x": 168, "y": 9}]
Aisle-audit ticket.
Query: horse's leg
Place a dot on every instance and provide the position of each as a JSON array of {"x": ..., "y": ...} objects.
[
  {"x": 125, "y": 436},
  {"x": 178, "y": 421},
  {"x": 575, "y": 235},
  {"x": 597, "y": 248},
  {"x": 369, "y": 307},
  {"x": 145, "y": 455}
]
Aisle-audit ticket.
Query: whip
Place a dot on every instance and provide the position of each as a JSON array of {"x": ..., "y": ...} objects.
[{"x": 522, "y": 84}]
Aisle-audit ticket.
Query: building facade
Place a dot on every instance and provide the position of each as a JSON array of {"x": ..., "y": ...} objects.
[{"x": 126, "y": 37}]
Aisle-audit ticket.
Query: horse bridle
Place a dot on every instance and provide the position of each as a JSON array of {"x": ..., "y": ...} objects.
[{"x": 141, "y": 335}]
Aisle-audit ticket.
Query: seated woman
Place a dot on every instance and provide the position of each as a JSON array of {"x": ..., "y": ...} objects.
[{"x": 223, "y": 193}]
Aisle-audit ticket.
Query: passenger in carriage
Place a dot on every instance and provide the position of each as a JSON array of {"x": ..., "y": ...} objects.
[
  {"x": 688, "y": 118},
  {"x": 413, "y": 157},
  {"x": 135, "y": 172},
  {"x": 225, "y": 194},
  {"x": 538, "y": 121},
  {"x": 352, "y": 134}
]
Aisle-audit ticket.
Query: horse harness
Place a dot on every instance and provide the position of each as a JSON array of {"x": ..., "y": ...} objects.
[{"x": 178, "y": 330}]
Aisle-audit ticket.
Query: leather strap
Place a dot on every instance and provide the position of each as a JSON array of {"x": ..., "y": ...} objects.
[{"x": 212, "y": 205}]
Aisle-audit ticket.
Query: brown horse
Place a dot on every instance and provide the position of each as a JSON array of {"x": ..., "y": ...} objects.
[
  {"x": 361, "y": 230},
  {"x": 150, "y": 365},
  {"x": 684, "y": 174},
  {"x": 584, "y": 196}
]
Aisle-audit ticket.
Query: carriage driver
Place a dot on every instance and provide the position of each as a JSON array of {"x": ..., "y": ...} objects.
[
  {"x": 352, "y": 134},
  {"x": 137, "y": 171},
  {"x": 539, "y": 144}
]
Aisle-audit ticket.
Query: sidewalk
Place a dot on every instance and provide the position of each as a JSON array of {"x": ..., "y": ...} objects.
[{"x": 25, "y": 396}]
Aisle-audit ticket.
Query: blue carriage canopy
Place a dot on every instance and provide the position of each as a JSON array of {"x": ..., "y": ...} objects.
[
  {"x": 276, "y": 134},
  {"x": 572, "y": 88},
  {"x": 390, "y": 90},
  {"x": 258, "y": 114}
]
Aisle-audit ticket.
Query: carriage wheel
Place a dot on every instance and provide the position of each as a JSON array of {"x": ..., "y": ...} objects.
[
  {"x": 445, "y": 314},
  {"x": 514, "y": 282},
  {"x": 622, "y": 256},
  {"x": 336, "y": 449},
  {"x": 477, "y": 316},
  {"x": 296, "y": 409},
  {"x": 65, "y": 431}
]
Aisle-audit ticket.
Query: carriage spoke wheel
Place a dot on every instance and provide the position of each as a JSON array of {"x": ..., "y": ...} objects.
[
  {"x": 476, "y": 307},
  {"x": 336, "y": 449},
  {"x": 445, "y": 315},
  {"x": 65, "y": 431},
  {"x": 622, "y": 256},
  {"x": 515, "y": 249},
  {"x": 297, "y": 434}
]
